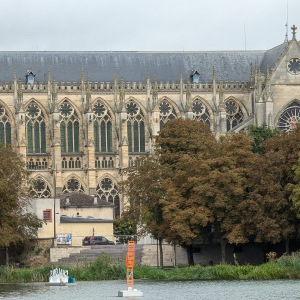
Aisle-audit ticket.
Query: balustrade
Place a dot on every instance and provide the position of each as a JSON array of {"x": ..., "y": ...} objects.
[
  {"x": 36, "y": 162},
  {"x": 105, "y": 162}
]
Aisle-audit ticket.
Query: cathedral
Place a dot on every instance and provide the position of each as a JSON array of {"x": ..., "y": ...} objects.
[{"x": 78, "y": 119}]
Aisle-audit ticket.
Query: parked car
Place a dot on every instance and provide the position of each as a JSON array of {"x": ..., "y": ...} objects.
[{"x": 96, "y": 240}]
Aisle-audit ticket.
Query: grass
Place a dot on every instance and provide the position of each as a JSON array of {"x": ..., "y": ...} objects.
[{"x": 103, "y": 268}]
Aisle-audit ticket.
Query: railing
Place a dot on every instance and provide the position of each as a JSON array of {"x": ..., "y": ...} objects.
[
  {"x": 132, "y": 159},
  {"x": 71, "y": 162},
  {"x": 38, "y": 162},
  {"x": 105, "y": 162}
]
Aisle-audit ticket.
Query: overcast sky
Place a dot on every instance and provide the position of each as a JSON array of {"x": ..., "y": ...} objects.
[{"x": 140, "y": 25}]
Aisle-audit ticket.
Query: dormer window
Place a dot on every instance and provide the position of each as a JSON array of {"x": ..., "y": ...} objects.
[
  {"x": 30, "y": 77},
  {"x": 195, "y": 77}
]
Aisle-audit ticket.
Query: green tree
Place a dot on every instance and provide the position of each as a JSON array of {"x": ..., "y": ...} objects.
[
  {"x": 144, "y": 193},
  {"x": 259, "y": 135},
  {"x": 16, "y": 223},
  {"x": 124, "y": 230}
]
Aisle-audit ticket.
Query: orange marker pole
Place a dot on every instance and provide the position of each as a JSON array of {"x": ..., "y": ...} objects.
[{"x": 130, "y": 264}]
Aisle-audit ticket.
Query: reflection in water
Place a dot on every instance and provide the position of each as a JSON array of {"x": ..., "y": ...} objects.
[
  {"x": 182, "y": 290},
  {"x": 21, "y": 291}
]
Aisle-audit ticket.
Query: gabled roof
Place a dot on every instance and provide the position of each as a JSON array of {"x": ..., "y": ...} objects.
[
  {"x": 272, "y": 56},
  {"x": 132, "y": 66}
]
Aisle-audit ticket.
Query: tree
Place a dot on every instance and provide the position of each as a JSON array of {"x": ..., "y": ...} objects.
[
  {"x": 144, "y": 193},
  {"x": 124, "y": 230},
  {"x": 16, "y": 223},
  {"x": 271, "y": 180},
  {"x": 180, "y": 146},
  {"x": 259, "y": 135},
  {"x": 221, "y": 186}
]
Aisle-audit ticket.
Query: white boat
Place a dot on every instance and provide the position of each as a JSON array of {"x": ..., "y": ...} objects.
[{"x": 60, "y": 277}]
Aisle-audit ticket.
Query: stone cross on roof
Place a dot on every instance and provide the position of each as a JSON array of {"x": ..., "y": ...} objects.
[{"x": 294, "y": 28}]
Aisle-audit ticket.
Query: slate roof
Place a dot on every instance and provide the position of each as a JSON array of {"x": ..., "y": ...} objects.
[
  {"x": 81, "y": 199},
  {"x": 272, "y": 56},
  {"x": 64, "y": 219},
  {"x": 66, "y": 66}
]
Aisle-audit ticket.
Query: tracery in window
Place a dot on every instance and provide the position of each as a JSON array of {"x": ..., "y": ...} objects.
[
  {"x": 69, "y": 128},
  {"x": 135, "y": 128},
  {"x": 5, "y": 127},
  {"x": 107, "y": 191},
  {"x": 200, "y": 112},
  {"x": 167, "y": 112},
  {"x": 39, "y": 189},
  {"x": 102, "y": 128},
  {"x": 35, "y": 129},
  {"x": 234, "y": 114},
  {"x": 290, "y": 117},
  {"x": 73, "y": 185}
]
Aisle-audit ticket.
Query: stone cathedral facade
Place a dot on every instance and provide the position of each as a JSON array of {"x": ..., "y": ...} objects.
[{"x": 80, "y": 118}]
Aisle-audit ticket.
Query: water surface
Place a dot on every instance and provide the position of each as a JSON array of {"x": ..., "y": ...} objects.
[{"x": 181, "y": 290}]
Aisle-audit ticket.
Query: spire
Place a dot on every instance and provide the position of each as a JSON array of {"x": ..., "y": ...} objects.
[
  {"x": 181, "y": 87},
  {"x": 154, "y": 92},
  {"x": 82, "y": 75},
  {"x": 115, "y": 89},
  {"x": 294, "y": 28}
]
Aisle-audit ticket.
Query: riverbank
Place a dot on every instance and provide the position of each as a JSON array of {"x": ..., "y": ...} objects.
[{"x": 103, "y": 268}]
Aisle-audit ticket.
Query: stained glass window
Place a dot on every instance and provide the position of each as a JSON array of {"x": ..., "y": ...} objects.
[
  {"x": 234, "y": 114},
  {"x": 102, "y": 128},
  {"x": 73, "y": 185},
  {"x": 200, "y": 112},
  {"x": 35, "y": 129},
  {"x": 69, "y": 128},
  {"x": 5, "y": 127},
  {"x": 107, "y": 191},
  {"x": 167, "y": 112},
  {"x": 39, "y": 189},
  {"x": 290, "y": 117},
  {"x": 135, "y": 128}
]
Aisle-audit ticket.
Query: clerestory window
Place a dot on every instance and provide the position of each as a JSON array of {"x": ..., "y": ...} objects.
[
  {"x": 5, "y": 127},
  {"x": 35, "y": 129},
  {"x": 135, "y": 128},
  {"x": 102, "y": 128},
  {"x": 69, "y": 128}
]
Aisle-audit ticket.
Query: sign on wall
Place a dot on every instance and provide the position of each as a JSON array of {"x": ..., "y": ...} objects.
[{"x": 64, "y": 239}]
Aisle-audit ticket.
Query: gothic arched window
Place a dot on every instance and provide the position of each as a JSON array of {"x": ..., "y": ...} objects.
[
  {"x": 35, "y": 129},
  {"x": 200, "y": 112},
  {"x": 73, "y": 185},
  {"x": 107, "y": 191},
  {"x": 289, "y": 117},
  {"x": 39, "y": 189},
  {"x": 135, "y": 128},
  {"x": 102, "y": 128},
  {"x": 167, "y": 112},
  {"x": 234, "y": 114},
  {"x": 5, "y": 127},
  {"x": 69, "y": 128}
]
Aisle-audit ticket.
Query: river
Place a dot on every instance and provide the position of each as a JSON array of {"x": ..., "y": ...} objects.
[{"x": 181, "y": 290}]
